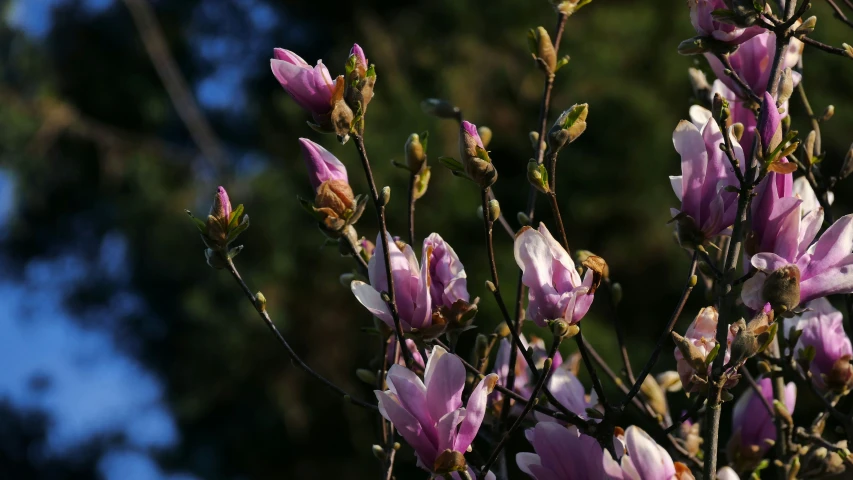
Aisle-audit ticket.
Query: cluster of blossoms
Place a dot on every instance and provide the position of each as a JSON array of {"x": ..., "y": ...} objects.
[{"x": 738, "y": 194}]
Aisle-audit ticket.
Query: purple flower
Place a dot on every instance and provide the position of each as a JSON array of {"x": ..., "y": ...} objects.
[
  {"x": 322, "y": 165},
  {"x": 752, "y": 424},
  {"x": 643, "y": 460},
  {"x": 221, "y": 207},
  {"x": 359, "y": 54},
  {"x": 429, "y": 414},
  {"x": 753, "y": 61},
  {"x": 556, "y": 290},
  {"x": 771, "y": 211},
  {"x": 822, "y": 269},
  {"x": 702, "y": 336},
  {"x": 448, "y": 281},
  {"x": 561, "y": 454},
  {"x": 310, "y": 87},
  {"x": 770, "y": 124},
  {"x": 707, "y": 209},
  {"x": 471, "y": 130},
  {"x": 391, "y": 352},
  {"x": 823, "y": 330},
  {"x": 411, "y": 286},
  {"x": 707, "y": 26}
]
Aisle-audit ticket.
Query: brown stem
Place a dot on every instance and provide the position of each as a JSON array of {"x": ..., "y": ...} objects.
[
  {"x": 262, "y": 312},
  {"x": 822, "y": 46},
  {"x": 540, "y": 384},
  {"x": 731, "y": 72},
  {"x": 383, "y": 228}
]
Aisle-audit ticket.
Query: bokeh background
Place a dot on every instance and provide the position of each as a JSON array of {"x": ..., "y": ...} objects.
[{"x": 124, "y": 356}]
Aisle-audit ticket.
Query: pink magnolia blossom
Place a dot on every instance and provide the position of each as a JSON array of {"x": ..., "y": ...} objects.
[
  {"x": 561, "y": 454},
  {"x": 823, "y": 267},
  {"x": 411, "y": 286},
  {"x": 311, "y": 87},
  {"x": 702, "y": 333},
  {"x": 221, "y": 207},
  {"x": 471, "y": 130},
  {"x": 448, "y": 281},
  {"x": 555, "y": 287},
  {"x": 752, "y": 424},
  {"x": 322, "y": 165},
  {"x": 707, "y": 26},
  {"x": 359, "y": 54},
  {"x": 823, "y": 330},
  {"x": 753, "y": 62},
  {"x": 429, "y": 413},
  {"x": 707, "y": 209},
  {"x": 643, "y": 460}
]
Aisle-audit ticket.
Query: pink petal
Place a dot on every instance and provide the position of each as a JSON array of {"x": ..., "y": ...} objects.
[
  {"x": 408, "y": 427},
  {"x": 689, "y": 144},
  {"x": 372, "y": 301},
  {"x": 444, "y": 388},
  {"x": 475, "y": 410},
  {"x": 835, "y": 244}
]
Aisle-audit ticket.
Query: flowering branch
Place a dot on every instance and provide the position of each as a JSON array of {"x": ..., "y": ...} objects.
[{"x": 379, "y": 203}]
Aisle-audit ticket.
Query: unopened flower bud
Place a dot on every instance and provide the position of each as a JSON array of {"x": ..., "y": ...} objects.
[
  {"x": 782, "y": 288},
  {"x": 559, "y": 328},
  {"x": 807, "y": 26},
  {"x": 415, "y": 153},
  {"x": 385, "y": 196},
  {"x": 828, "y": 112},
  {"x": 491, "y": 286},
  {"x": 669, "y": 381},
  {"x": 522, "y": 218},
  {"x": 502, "y": 330},
  {"x": 654, "y": 395},
  {"x": 379, "y": 452},
  {"x": 440, "y": 108},
  {"x": 494, "y": 210},
  {"x": 421, "y": 183},
  {"x": 782, "y": 411},
  {"x": 737, "y": 130},
  {"x": 786, "y": 87},
  {"x": 346, "y": 279},
  {"x": 568, "y": 127},
  {"x": 808, "y": 146},
  {"x": 366, "y": 376},
  {"x": 475, "y": 159},
  {"x": 616, "y": 292},
  {"x": 542, "y": 49},
  {"x": 485, "y": 135},
  {"x": 534, "y": 141},
  {"x": 260, "y": 302},
  {"x": 538, "y": 176}
]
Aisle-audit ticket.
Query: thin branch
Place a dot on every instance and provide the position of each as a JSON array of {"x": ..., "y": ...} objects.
[
  {"x": 540, "y": 384},
  {"x": 757, "y": 389},
  {"x": 667, "y": 332},
  {"x": 731, "y": 72},
  {"x": 620, "y": 333},
  {"x": 411, "y": 212},
  {"x": 839, "y": 14},
  {"x": 690, "y": 413},
  {"x": 290, "y": 352},
  {"x": 593, "y": 374},
  {"x": 822, "y": 46},
  {"x": 383, "y": 228}
]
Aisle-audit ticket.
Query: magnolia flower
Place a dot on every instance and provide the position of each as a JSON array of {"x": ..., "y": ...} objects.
[
  {"x": 556, "y": 290},
  {"x": 753, "y": 62},
  {"x": 707, "y": 209},
  {"x": 643, "y": 460},
  {"x": 448, "y": 281},
  {"x": 823, "y": 330},
  {"x": 703, "y": 21},
  {"x": 411, "y": 286},
  {"x": 569, "y": 392},
  {"x": 561, "y": 454},
  {"x": 322, "y": 165},
  {"x": 391, "y": 352},
  {"x": 752, "y": 424},
  {"x": 311, "y": 87},
  {"x": 524, "y": 379},
  {"x": 795, "y": 272},
  {"x": 429, "y": 414},
  {"x": 692, "y": 350}
]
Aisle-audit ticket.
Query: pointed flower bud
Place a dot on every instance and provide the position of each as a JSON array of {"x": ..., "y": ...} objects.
[
  {"x": 475, "y": 159},
  {"x": 752, "y": 424},
  {"x": 222, "y": 227},
  {"x": 568, "y": 127},
  {"x": 769, "y": 124},
  {"x": 694, "y": 349},
  {"x": 360, "y": 80},
  {"x": 542, "y": 49},
  {"x": 311, "y": 87},
  {"x": 322, "y": 165},
  {"x": 415, "y": 153}
]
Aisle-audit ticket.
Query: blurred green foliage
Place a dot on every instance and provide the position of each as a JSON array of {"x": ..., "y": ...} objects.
[{"x": 95, "y": 147}]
